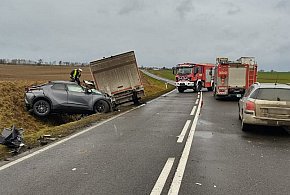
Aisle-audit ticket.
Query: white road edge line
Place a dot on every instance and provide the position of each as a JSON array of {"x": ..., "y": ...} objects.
[
  {"x": 193, "y": 111},
  {"x": 198, "y": 96},
  {"x": 196, "y": 102},
  {"x": 183, "y": 132},
  {"x": 63, "y": 140},
  {"x": 161, "y": 96},
  {"x": 175, "y": 185},
  {"x": 158, "y": 187}
]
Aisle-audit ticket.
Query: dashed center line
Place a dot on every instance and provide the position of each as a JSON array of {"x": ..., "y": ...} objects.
[
  {"x": 183, "y": 132},
  {"x": 176, "y": 183},
  {"x": 196, "y": 102},
  {"x": 193, "y": 111}
]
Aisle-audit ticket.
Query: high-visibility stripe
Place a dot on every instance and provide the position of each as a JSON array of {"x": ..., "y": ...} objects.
[{"x": 75, "y": 73}]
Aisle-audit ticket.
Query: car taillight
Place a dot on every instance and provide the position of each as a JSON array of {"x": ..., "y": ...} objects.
[{"x": 250, "y": 106}]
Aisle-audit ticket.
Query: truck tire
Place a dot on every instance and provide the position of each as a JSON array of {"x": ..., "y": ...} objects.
[
  {"x": 215, "y": 95},
  {"x": 135, "y": 98},
  {"x": 41, "y": 108},
  {"x": 180, "y": 90},
  {"x": 199, "y": 87},
  {"x": 101, "y": 106}
]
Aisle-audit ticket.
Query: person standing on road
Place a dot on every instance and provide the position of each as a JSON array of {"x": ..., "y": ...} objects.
[{"x": 75, "y": 75}]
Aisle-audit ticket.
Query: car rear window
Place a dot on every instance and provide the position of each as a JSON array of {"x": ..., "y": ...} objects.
[{"x": 274, "y": 94}]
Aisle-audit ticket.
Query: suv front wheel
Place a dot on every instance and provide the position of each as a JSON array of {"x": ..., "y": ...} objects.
[{"x": 101, "y": 106}]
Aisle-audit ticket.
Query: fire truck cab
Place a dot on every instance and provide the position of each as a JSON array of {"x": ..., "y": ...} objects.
[
  {"x": 193, "y": 76},
  {"x": 232, "y": 78}
]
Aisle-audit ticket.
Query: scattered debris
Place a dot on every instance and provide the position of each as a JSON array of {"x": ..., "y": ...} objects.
[
  {"x": 12, "y": 138},
  {"x": 214, "y": 186},
  {"x": 45, "y": 139},
  {"x": 74, "y": 169},
  {"x": 198, "y": 184}
]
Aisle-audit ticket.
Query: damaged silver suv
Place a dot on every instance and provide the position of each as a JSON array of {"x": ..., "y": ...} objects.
[
  {"x": 265, "y": 104},
  {"x": 65, "y": 97}
]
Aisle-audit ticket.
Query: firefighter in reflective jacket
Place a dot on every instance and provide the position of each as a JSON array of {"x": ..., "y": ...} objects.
[{"x": 75, "y": 75}]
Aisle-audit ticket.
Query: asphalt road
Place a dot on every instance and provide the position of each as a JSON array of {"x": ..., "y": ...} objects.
[
  {"x": 137, "y": 153},
  {"x": 226, "y": 160},
  {"x": 122, "y": 156}
]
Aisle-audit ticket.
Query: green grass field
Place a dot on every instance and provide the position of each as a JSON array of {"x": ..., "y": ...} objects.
[
  {"x": 263, "y": 77},
  {"x": 272, "y": 77},
  {"x": 163, "y": 73}
]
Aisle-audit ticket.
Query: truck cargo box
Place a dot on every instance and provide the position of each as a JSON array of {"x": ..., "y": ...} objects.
[{"x": 119, "y": 77}]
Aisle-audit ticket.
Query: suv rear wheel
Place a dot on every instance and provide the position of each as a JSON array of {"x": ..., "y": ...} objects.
[{"x": 41, "y": 108}]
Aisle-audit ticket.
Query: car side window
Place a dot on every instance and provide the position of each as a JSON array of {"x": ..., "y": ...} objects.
[
  {"x": 254, "y": 94},
  {"x": 58, "y": 86},
  {"x": 248, "y": 91},
  {"x": 75, "y": 88}
]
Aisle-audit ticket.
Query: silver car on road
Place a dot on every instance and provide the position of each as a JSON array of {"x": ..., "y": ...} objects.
[
  {"x": 65, "y": 97},
  {"x": 265, "y": 104}
]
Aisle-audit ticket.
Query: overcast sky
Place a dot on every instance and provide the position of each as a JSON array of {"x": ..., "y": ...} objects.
[{"x": 161, "y": 32}]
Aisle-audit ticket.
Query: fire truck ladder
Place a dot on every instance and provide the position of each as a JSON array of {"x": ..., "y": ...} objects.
[{"x": 252, "y": 74}]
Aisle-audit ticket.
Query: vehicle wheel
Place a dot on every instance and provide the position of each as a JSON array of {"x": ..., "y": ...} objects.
[
  {"x": 101, "y": 106},
  {"x": 245, "y": 127},
  {"x": 135, "y": 98},
  {"x": 199, "y": 86},
  {"x": 181, "y": 90},
  {"x": 215, "y": 95},
  {"x": 41, "y": 108}
]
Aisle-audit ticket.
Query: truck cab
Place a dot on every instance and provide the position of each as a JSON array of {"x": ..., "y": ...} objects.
[{"x": 193, "y": 76}]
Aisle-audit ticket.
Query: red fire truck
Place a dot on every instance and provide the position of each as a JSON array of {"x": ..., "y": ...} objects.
[
  {"x": 193, "y": 76},
  {"x": 232, "y": 78}
]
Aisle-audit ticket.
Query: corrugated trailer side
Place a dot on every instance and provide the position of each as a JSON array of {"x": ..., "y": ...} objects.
[{"x": 118, "y": 76}]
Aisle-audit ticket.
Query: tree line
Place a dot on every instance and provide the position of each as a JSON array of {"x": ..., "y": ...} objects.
[{"x": 41, "y": 62}]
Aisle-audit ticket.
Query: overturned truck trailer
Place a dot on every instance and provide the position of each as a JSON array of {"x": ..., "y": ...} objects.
[{"x": 119, "y": 77}]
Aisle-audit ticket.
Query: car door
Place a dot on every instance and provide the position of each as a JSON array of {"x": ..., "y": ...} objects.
[
  {"x": 78, "y": 99},
  {"x": 59, "y": 96}
]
